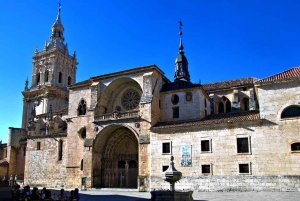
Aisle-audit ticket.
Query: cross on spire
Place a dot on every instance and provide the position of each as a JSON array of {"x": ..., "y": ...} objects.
[{"x": 180, "y": 27}]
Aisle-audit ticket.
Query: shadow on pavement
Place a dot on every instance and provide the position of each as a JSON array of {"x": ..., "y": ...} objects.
[{"x": 84, "y": 197}]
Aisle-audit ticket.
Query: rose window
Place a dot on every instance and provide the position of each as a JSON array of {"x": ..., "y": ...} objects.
[{"x": 130, "y": 99}]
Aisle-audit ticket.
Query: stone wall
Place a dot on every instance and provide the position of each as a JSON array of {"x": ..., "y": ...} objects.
[
  {"x": 193, "y": 109},
  {"x": 273, "y": 98},
  {"x": 233, "y": 183},
  {"x": 270, "y": 155},
  {"x": 43, "y": 168}
]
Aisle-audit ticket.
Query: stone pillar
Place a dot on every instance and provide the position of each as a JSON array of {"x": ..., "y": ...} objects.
[
  {"x": 235, "y": 101},
  {"x": 252, "y": 100},
  {"x": 144, "y": 161}
]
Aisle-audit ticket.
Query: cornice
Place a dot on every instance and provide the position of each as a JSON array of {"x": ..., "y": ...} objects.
[{"x": 45, "y": 91}]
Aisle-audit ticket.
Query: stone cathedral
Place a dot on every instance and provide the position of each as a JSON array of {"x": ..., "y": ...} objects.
[{"x": 119, "y": 130}]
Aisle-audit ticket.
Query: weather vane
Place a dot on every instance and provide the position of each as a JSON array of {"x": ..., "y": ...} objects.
[
  {"x": 59, "y": 5},
  {"x": 180, "y": 27}
]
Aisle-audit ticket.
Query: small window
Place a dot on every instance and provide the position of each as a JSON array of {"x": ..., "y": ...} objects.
[
  {"x": 165, "y": 167},
  {"x": 60, "y": 150},
  {"x": 244, "y": 168},
  {"x": 206, "y": 169},
  {"x": 166, "y": 147},
  {"x": 205, "y": 146},
  {"x": 38, "y": 146},
  {"x": 82, "y": 132},
  {"x": 175, "y": 99},
  {"x": 46, "y": 77},
  {"x": 188, "y": 96},
  {"x": 81, "y": 110},
  {"x": 243, "y": 145},
  {"x": 59, "y": 77},
  {"x": 81, "y": 165},
  {"x": 295, "y": 147},
  {"x": 69, "y": 80},
  {"x": 38, "y": 75},
  {"x": 291, "y": 111},
  {"x": 175, "y": 112}
]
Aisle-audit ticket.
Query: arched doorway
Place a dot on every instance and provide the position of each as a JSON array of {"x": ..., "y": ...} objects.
[{"x": 115, "y": 158}]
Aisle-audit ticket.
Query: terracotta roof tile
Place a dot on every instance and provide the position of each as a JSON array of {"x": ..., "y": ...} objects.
[
  {"x": 213, "y": 119},
  {"x": 229, "y": 84},
  {"x": 291, "y": 73}
]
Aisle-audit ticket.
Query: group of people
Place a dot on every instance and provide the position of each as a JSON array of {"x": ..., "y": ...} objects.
[{"x": 26, "y": 194}]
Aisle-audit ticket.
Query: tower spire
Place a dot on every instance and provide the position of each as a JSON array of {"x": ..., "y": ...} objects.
[
  {"x": 58, "y": 28},
  {"x": 181, "y": 63}
]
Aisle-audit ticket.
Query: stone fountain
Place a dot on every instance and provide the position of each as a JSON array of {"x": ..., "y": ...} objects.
[{"x": 171, "y": 175}]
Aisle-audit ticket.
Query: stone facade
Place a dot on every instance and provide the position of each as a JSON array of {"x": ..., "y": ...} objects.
[{"x": 120, "y": 129}]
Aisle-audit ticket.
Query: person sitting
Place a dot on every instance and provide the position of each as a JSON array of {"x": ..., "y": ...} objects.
[
  {"x": 35, "y": 196},
  {"x": 62, "y": 195},
  {"x": 16, "y": 193},
  {"x": 76, "y": 194},
  {"x": 72, "y": 196},
  {"x": 43, "y": 192},
  {"x": 48, "y": 196},
  {"x": 26, "y": 193}
]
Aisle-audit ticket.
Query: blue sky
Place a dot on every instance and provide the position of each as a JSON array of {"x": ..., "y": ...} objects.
[{"x": 223, "y": 39}]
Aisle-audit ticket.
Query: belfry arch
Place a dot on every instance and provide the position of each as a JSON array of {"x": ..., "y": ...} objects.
[{"x": 115, "y": 158}]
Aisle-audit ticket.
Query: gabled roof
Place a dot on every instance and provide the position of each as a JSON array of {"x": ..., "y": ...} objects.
[
  {"x": 214, "y": 119},
  {"x": 213, "y": 86},
  {"x": 119, "y": 73},
  {"x": 285, "y": 75}
]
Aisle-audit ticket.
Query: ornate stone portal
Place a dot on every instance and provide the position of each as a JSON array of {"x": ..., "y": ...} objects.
[{"x": 116, "y": 159}]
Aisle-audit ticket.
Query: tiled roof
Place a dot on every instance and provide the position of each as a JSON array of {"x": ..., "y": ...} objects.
[
  {"x": 178, "y": 85},
  {"x": 229, "y": 84},
  {"x": 291, "y": 73},
  {"x": 213, "y": 119}
]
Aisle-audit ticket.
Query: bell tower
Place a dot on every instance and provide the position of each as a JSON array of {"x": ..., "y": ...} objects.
[
  {"x": 54, "y": 69},
  {"x": 181, "y": 63}
]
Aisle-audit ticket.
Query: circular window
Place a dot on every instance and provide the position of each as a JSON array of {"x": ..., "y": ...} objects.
[
  {"x": 175, "y": 99},
  {"x": 130, "y": 99}
]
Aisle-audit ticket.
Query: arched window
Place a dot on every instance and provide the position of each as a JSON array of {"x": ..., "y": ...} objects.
[
  {"x": 295, "y": 146},
  {"x": 228, "y": 106},
  {"x": 69, "y": 80},
  {"x": 224, "y": 106},
  {"x": 81, "y": 110},
  {"x": 245, "y": 104},
  {"x": 37, "y": 78},
  {"x": 60, "y": 150},
  {"x": 46, "y": 76},
  {"x": 59, "y": 77},
  {"x": 221, "y": 107},
  {"x": 291, "y": 111}
]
